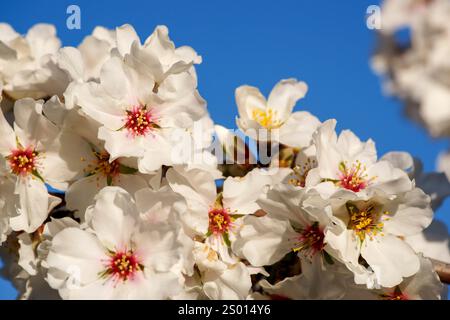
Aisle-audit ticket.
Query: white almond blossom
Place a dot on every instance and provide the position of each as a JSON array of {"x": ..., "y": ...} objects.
[
  {"x": 276, "y": 114},
  {"x": 136, "y": 122},
  {"x": 368, "y": 234},
  {"x": 97, "y": 169},
  {"x": 217, "y": 217},
  {"x": 127, "y": 259},
  {"x": 36, "y": 153},
  {"x": 288, "y": 226},
  {"x": 28, "y": 65},
  {"x": 345, "y": 162}
]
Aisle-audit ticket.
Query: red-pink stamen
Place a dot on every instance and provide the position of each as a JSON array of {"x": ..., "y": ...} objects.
[
  {"x": 310, "y": 240},
  {"x": 220, "y": 221},
  {"x": 22, "y": 161},
  {"x": 122, "y": 265},
  {"x": 353, "y": 178},
  {"x": 140, "y": 121}
]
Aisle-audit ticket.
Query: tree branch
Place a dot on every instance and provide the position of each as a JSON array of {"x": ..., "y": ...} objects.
[{"x": 443, "y": 270}]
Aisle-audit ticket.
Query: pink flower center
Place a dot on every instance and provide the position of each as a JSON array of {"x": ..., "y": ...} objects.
[
  {"x": 122, "y": 265},
  {"x": 353, "y": 178},
  {"x": 220, "y": 221},
  {"x": 310, "y": 240},
  {"x": 22, "y": 161},
  {"x": 140, "y": 121}
]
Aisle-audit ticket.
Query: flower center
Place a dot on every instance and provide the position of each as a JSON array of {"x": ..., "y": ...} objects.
[
  {"x": 310, "y": 240},
  {"x": 140, "y": 121},
  {"x": 220, "y": 221},
  {"x": 22, "y": 161},
  {"x": 102, "y": 165},
  {"x": 397, "y": 294},
  {"x": 366, "y": 221},
  {"x": 122, "y": 265},
  {"x": 108, "y": 169},
  {"x": 393, "y": 296},
  {"x": 266, "y": 118},
  {"x": 353, "y": 178},
  {"x": 300, "y": 172}
]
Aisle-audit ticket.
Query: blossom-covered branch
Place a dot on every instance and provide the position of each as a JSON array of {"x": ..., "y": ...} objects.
[{"x": 116, "y": 184}]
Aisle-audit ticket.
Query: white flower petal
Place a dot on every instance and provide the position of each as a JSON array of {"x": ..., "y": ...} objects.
[
  {"x": 8, "y": 141},
  {"x": 33, "y": 205},
  {"x": 263, "y": 240},
  {"x": 69, "y": 254},
  {"x": 157, "y": 206},
  {"x": 65, "y": 159},
  {"x": 158, "y": 246},
  {"x": 126, "y": 35},
  {"x": 70, "y": 60},
  {"x": 388, "y": 179},
  {"x": 247, "y": 99},
  {"x": 233, "y": 284},
  {"x": 298, "y": 130},
  {"x": 285, "y": 95},
  {"x": 433, "y": 242},
  {"x": 284, "y": 202},
  {"x": 240, "y": 193},
  {"x": 81, "y": 193},
  {"x": 34, "y": 126},
  {"x": 114, "y": 218},
  {"x": 122, "y": 144},
  {"x": 96, "y": 103},
  {"x": 390, "y": 258},
  {"x": 328, "y": 156},
  {"x": 354, "y": 149},
  {"x": 194, "y": 184},
  {"x": 412, "y": 216}
]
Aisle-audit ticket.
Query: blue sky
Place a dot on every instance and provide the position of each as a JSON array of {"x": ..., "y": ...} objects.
[{"x": 323, "y": 42}]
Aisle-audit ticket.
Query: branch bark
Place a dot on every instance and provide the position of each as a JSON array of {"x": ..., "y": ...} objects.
[{"x": 443, "y": 270}]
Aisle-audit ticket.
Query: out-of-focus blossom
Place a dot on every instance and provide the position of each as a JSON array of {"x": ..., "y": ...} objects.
[{"x": 28, "y": 63}]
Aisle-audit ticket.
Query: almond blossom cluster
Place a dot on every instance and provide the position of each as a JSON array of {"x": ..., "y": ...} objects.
[
  {"x": 412, "y": 59},
  {"x": 116, "y": 184}
]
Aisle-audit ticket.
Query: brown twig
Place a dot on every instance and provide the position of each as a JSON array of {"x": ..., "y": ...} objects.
[{"x": 443, "y": 270}]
